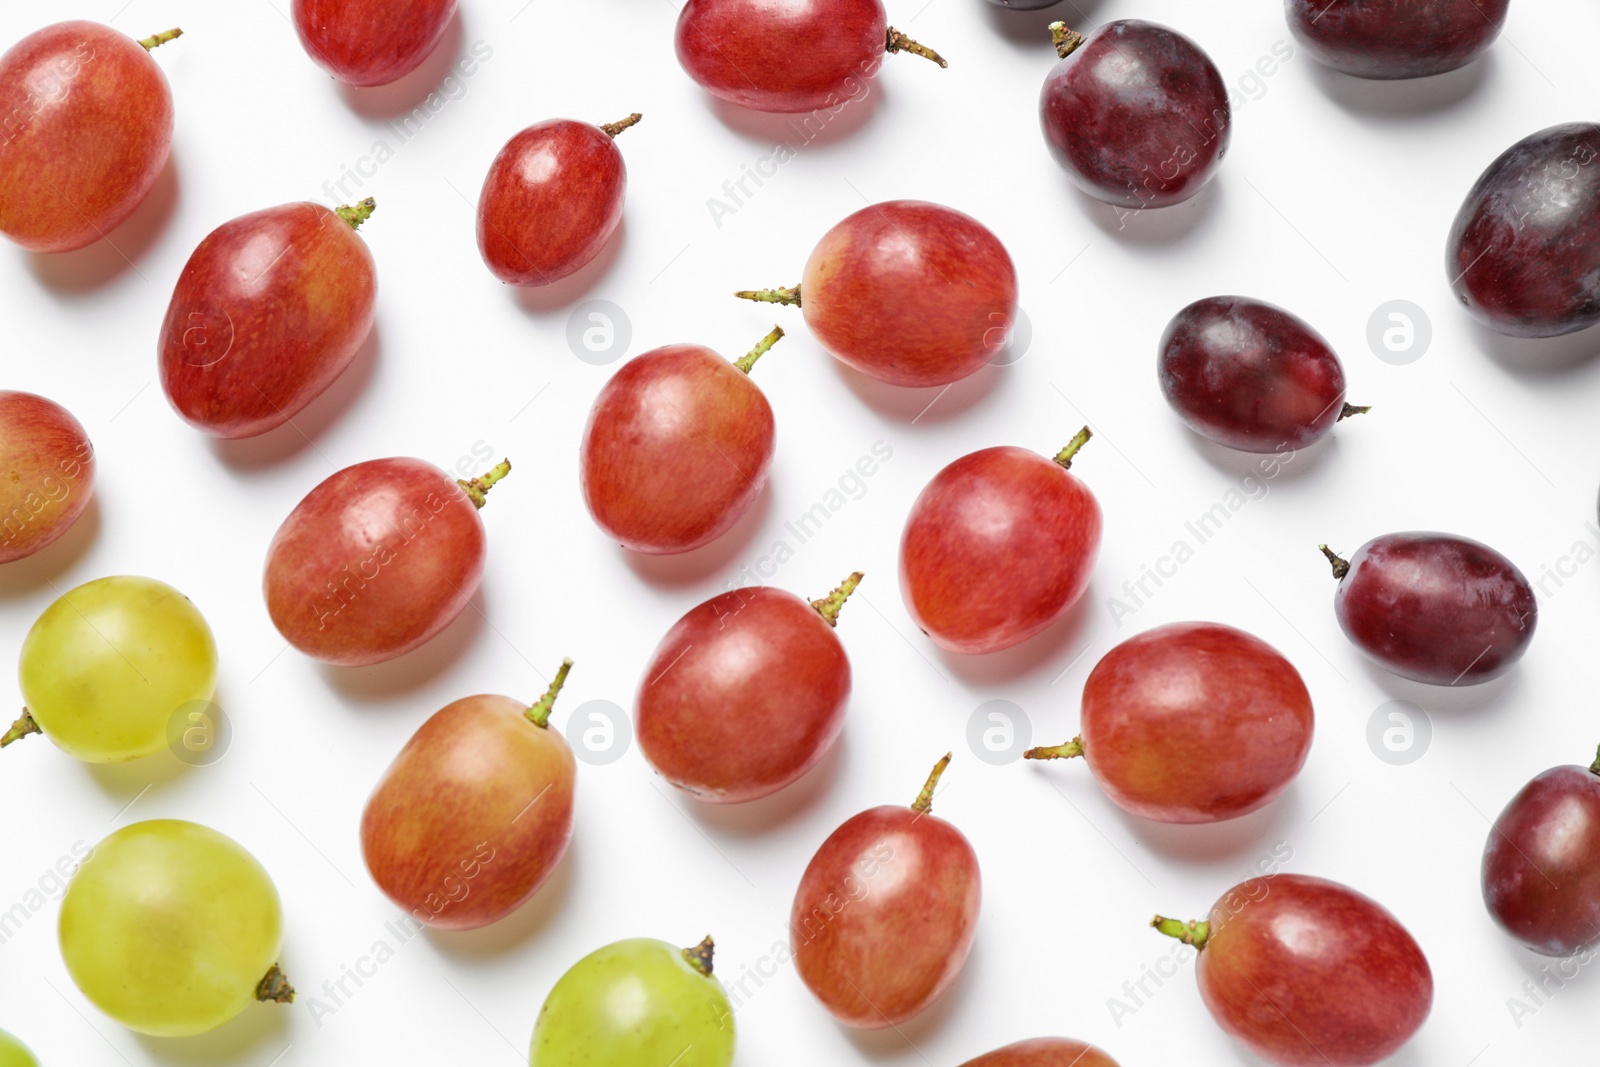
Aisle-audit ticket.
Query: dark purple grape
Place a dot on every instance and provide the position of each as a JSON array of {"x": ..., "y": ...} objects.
[
  {"x": 1136, "y": 113},
  {"x": 1435, "y": 608},
  {"x": 1396, "y": 38},
  {"x": 1524, "y": 253},
  {"x": 1250, "y": 375}
]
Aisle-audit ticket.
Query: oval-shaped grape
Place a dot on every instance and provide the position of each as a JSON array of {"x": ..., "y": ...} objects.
[
  {"x": 1436, "y": 608},
  {"x": 46, "y": 473},
  {"x": 1524, "y": 250},
  {"x": 371, "y": 42},
  {"x": 268, "y": 312},
  {"x": 1045, "y": 1052},
  {"x": 1396, "y": 38},
  {"x": 377, "y": 560},
  {"x": 88, "y": 128},
  {"x": 745, "y": 693},
  {"x": 13, "y": 1053},
  {"x": 172, "y": 929}
]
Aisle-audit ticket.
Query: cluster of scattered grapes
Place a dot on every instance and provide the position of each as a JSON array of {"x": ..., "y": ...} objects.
[{"x": 172, "y": 929}]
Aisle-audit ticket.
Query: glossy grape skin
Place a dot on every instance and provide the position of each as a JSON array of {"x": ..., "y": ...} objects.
[
  {"x": 634, "y": 1002},
  {"x": 169, "y": 927},
  {"x": 677, "y": 447},
  {"x": 999, "y": 545},
  {"x": 371, "y": 42},
  {"x": 374, "y": 562},
  {"x": 1525, "y": 246},
  {"x": 96, "y": 130},
  {"x": 1436, "y": 608},
  {"x": 1541, "y": 864},
  {"x": 1137, "y": 115},
  {"x": 13, "y": 1053},
  {"x": 800, "y": 55},
  {"x": 1250, "y": 375},
  {"x": 551, "y": 201},
  {"x": 1045, "y": 1052},
  {"x": 270, "y": 310},
  {"x": 46, "y": 473},
  {"x": 107, "y": 665},
  {"x": 1396, "y": 38},
  {"x": 1310, "y": 973},
  {"x": 743, "y": 695}
]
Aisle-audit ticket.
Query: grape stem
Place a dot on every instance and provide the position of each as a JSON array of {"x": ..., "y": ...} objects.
[
  {"x": 699, "y": 957},
  {"x": 1341, "y": 567},
  {"x": 895, "y": 41},
  {"x": 1071, "y": 750},
  {"x": 748, "y": 360},
  {"x": 1190, "y": 933},
  {"x": 1594, "y": 768},
  {"x": 924, "y": 802},
  {"x": 614, "y": 128},
  {"x": 1352, "y": 409},
  {"x": 771, "y": 296},
  {"x": 356, "y": 214},
  {"x": 477, "y": 489},
  {"x": 830, "y": 606},
  {"x": 275, "y": 987},
  {"x": 160, "y": 39},
  {"x": 1064, "y": 457},
  {"x": 539, "y": 713},
  {"x": 20, "y": 729},
  {"x": 1067, "y": 41}
]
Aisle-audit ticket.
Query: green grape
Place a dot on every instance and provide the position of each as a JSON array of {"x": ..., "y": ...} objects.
[
  {"x": 106, "y": 666},
  {"x": 14, "y": 1053},
  {"x": 172, "y": 929},
  {"x": 635, "y": 1003}
]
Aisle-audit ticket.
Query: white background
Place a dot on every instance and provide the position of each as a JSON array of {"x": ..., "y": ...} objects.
[{"x": 1335, "y": 198}]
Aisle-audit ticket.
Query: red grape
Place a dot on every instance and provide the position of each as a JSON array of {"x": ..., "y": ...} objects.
[
  {"x": 474, "y": 813},
  {"x": 1251, "y": 376},
  {"x": 268, "y": 312},
  {"x": 1396, "y": 38},
  {"x": 745, "y": 693},
  {"x": 1435, "y": 608},
  {"x": 1045, "y": 1052},
  {"x": 371, "y": 42},
  {"x": 376, "y": 560},
  {"x": 1541, "y": 864},
  {"x": 1308, "y": 972},
  {"x": 87, "y": 129},
  {"x": 1159, "y": 698},
  {"x": 908, "y": 292},
  {"x": 552, "y": 199},
  {"x": 800, "y": 55},
  {"x": 46, "y": 473},
  {"x": 1525, "y": 247},
  {"x": 1135, "y": 113},
  {"x": 997, "y": 547},
  {"x": 886, "y": 912},
  {"x": 677, "y": 448}
]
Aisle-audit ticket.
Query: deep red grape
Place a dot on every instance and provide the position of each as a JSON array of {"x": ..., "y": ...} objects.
[
  {"x": 997, "y": 547},
  {"x": 1308, "y": 972},
  {"x": 1044, "y": 1052},
  {"x": 677, "y": 448},
  {"x": 886, "y": 912},
  {"x": 46, "y": 473},
  {"x": 1434, "y": 607},
  {"x": 908, "y": 292},
  {"x": 371, "y": 42},
  {"x": 1396, "y": 38},
  {"x": 745, "y": 693},
  {"x": 1541, "y": 864},
  {"x": 87, "y": 128},
  {"x": 1136, "y": 113},
  {"x": 1524, "y": 250},
  {"x": 1251, "y": 376},
  {"x": 1158, "y": 698}
]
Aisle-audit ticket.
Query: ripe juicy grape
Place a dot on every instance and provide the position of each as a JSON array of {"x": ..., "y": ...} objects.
[
  {"x": 1308, "y": 972},
  {"x": 371, "y": 42},
  {"x": 1541, "y": 864},
  {"x": 636, "y": 1002},
  {"x": 108, "y": 665},
  {"x": 474, "y": 813},
  {"x": 1396, "y": 38},
  {"x": 1251, "y": 376},
  {"x": 1045, "y": 1052},
  {"x": 1435, "y": 608},
  {"x": 677, "y": 448},
  {"x": 268, "y": 312},
  {"x": 1135, "y": 113},
  {"x": 1158, "y": 700},
  {"x": 1525, "y": 247},
  {"x": 745, "y": 693},
  {"x": 46, "y": 473},
  {"x": 886, "y": 913},
  {"x": 907, "y": 292},
  {"x": 13, "y": 1053},
  {"x": 997, "y": 547},
  {"x": 552, "y": 200},
  {"x": 88, "y": 129},
  {"x": 172, "y": 929},
  {"x": 801, "y": 55},
  {"x": 377, "y": 559}
]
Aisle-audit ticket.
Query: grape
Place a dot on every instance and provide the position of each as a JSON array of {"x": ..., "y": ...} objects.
[
  {"x": 371, "y": 42},
  {"x": 13, "y": 1053},
  {"x": 1396, "y": 38},
  {"x": 1045, "y": 1052},
  {"x": 46, "y": 473}
]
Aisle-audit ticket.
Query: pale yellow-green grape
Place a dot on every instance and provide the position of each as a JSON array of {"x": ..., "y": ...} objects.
[
  {"x": 14, "y": 1053},
  {"x": 107, "y": 665},
  {"x": 636, "y": 1003},
  {"x": 172, "y": 929}
]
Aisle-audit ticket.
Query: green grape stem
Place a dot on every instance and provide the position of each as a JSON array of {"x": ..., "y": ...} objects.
[
  {"x": 1190, "y": 933},
  {"x": 1065, "y": 456},
  {"x": 1067, "y": 41},
  {"x": 539, "y": 714},
  {"x": 357, "y": 213},
  {"x": 20, "y": 729},
  {"x": 763, "y": 346},
  {"x": 1594, "y": 768},
  {"x": 1353, "y": 409},
  {"x": 895, "y": 41},
  {"x": 160, "y": 39},
  {"x": 790, "y": 295},
  {"x": 830, "y": 606},
  {"x": 924, "y": 802},
  {"x": 477, "y": 489},
  {"x": 701, "y": 955},
  {"x": 275, "y": 987},
  {"x": 1071, "y": 750},
  {"x": 614, "y": 128},
  {"x": 1341, "y": 567}
]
